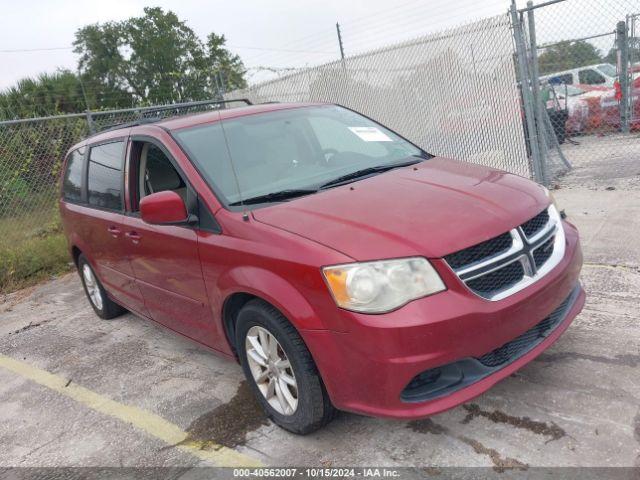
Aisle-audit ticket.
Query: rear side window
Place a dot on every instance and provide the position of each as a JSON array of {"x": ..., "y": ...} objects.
[
  {"x": 104, "y": 179},
  {"x": 72, "y": 180},
  {"x": 590, "y": 77}
]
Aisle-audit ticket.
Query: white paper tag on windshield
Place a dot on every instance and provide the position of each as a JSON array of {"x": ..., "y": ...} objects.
[{"x": 370, "y": 134}]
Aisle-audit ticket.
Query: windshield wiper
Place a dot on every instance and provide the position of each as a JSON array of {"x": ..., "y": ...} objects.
[
  {"x": 275, "y": 196},
  {"x": 349, "y": 177}
]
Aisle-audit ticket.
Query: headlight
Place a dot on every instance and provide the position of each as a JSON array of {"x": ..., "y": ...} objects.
[{"x": 377, "y": 287}]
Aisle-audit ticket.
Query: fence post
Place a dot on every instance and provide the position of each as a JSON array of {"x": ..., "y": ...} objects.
[
  {"x": 527, "y": 101},
  {"x": 537, "y": 100},
  {"x": 92, "y": 129},
  {"x": 554, "y": 141},
  {"x": 622, "y": 40}
]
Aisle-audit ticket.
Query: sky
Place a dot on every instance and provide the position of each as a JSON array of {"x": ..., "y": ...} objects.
[
  {"x": 269, "y": 35},
  {"x": 299, "y": 32}
]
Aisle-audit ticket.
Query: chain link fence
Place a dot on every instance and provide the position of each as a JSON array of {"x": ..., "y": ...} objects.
[
  {"x": 532, "y": 92},
  {"x": 584, "y": 74},
  {"x": 453, "y": 93},
  {"x": 31, "y": 153},
  {"x": 535, "y": 91}
]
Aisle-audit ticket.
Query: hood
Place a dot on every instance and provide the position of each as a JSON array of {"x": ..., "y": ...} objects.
[{"x": 431, "y": 209}]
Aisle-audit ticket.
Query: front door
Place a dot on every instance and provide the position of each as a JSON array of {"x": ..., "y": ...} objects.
[{"x": 165, "y": 258}]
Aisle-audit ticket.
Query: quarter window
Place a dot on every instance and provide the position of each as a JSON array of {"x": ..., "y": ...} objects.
[
  {"x": 72, "y": 180},
  {"x": 104, "y": 182}
]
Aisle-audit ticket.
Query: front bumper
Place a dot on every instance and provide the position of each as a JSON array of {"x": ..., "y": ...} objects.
[{"x": 367, "y": 369}]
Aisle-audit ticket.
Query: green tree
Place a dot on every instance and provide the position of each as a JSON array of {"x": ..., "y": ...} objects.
[
  {"x": 228, "y": 68},
  {"x": 99, "y": 65},
  {"x": 612, "y": 56},
  {"x": 47, "y": 94},
  {"x": 157, "y": 58},
  {"x": 567, "y": 55}
]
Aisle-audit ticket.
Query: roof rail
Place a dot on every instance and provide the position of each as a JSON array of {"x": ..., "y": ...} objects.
[
  {"x": 134, "y": 123},
  {"x": 142, "y": 120}
]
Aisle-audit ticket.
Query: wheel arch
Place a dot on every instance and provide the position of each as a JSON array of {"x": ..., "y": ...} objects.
[
  {"x": 243, "y": 284},
  {"x": 75, "y": 254},
  {"x": 230, "y": 309}
]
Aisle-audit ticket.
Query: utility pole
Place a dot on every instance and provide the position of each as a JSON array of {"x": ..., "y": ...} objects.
[
  {"x": 340, "y": 41},
  {"x": 90, "y": 125}
]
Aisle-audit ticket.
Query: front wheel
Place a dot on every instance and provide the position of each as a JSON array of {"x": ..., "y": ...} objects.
[{"x": 280, "y": 369}]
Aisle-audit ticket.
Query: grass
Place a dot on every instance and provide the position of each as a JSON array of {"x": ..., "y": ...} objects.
[{"x": 32, "y": 249}]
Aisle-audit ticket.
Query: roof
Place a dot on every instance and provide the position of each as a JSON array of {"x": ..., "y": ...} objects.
[{"x": 176, "y": 123}]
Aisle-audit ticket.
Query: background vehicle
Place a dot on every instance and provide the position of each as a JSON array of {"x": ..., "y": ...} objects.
[
  {"x": 600, "y": 74},
  {"x": 342, "y": 265},
  {"x": 582, "y": 104}
]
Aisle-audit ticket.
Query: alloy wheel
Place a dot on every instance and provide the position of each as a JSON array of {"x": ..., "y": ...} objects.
[
  {"x": 92, "y": 286},
  {"x": 271, "y": 370}
]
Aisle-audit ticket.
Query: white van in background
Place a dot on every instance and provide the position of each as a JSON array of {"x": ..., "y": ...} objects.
[{"x": 603, "y": 74}]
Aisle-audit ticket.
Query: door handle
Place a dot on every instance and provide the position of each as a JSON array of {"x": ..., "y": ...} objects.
[
  {"x": 114, "y": 231},
  {"x": 133, "y": 236}
]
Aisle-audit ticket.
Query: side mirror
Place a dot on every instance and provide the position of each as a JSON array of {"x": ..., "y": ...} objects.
[{"x": 164, "y": 208}]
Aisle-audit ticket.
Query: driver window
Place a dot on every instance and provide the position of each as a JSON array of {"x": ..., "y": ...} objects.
[{"x": 157, "y": 173}]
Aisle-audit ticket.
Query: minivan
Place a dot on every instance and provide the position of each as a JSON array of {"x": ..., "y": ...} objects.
[{"x": 344, "y": 267}]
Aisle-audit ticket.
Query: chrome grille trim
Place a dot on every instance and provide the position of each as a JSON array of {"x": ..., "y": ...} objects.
[
  {"x": 498, "y": 266},
  {"x": 544, "y": 231},
  {"x": 522, "y": 251},
  {"x": 516, "y": 246}
]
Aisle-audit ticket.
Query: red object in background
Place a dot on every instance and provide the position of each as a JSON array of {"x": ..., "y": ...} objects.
[
  {"x": 618, "y": 90},
  {"x": 609, "y": 107},
  {"x": 182, "y": 276}
]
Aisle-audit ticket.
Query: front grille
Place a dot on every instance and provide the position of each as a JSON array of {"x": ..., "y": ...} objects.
[
  {"x": 490, "y": 248},
  {"x": 500, "y": 279},
  {"x": 542, "y": 254},
  {"x": 525, "y": 342},
  {"x": 537, "y": 223},
  {"x": 509, "y": 262}
]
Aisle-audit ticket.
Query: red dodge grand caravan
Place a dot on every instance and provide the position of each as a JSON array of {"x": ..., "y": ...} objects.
[{"x": 343, "y": 266}]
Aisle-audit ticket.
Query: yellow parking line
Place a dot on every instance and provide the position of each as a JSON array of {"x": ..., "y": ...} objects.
[{"x": 150, "y": 423}]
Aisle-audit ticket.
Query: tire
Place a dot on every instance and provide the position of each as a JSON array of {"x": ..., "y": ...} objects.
[
  {"x": 104, "y": 307},
  {"x": 313, "y": 408}
]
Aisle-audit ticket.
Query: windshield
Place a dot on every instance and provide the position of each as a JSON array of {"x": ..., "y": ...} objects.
[
  {"x": 608, "y": 69},
  {"x": 293, "y": 149}
]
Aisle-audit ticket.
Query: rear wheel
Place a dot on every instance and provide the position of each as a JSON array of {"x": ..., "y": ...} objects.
[
  {"x": 280, "y": 369},
  {"x": 104, "y": 307}
]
